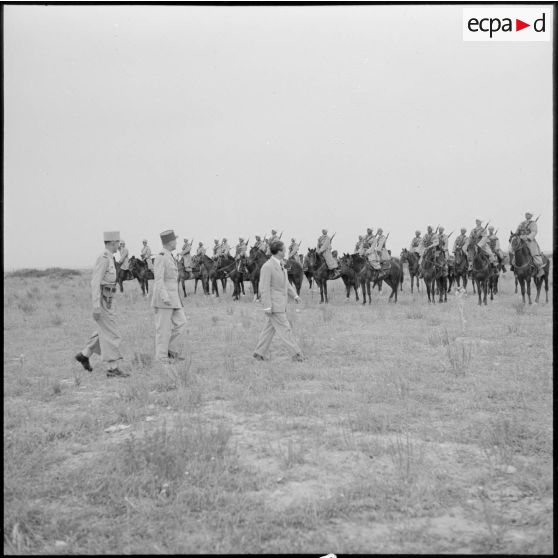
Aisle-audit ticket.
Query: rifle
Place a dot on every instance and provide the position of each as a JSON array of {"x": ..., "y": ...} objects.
[
  {"x": 487, "y": 223},
  {"x": 280, "y": 235},
  {"x": 333, "y": 236},
  {"x": 436, "y": 231},
  {"x": 537, "y": 219},
  {"x": 450, "y": 234}
]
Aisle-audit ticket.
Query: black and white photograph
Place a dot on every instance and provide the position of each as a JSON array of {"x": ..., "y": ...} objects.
[{"x": 278, "y": 278}]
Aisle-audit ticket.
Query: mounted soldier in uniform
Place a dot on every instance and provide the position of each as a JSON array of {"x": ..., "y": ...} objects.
[
  {"x": 224, "y": 249},
  {"x": 382, "y": 257},
  {"x": 369, "y": 238},
  {"x": 240, "y": 256},
  {"x": 494, "y": 244},
  {"x": 186, "y": 256},
  {"x": 479, "y": 238},
  {"x": 527, "y": 231},
  {"x": 427, "y": 242},
  {"x": 359, "y": 244},
  {"x": 216, "y": 248},
  {"x": 260, "y": 244},
  {"x": 443, "y": 248},
  {"x": 146, "y": 256},
  {"x": 461, "y": 242},
  {"x": 200, "y": 250},
  {"x": 272, "y": 238},
  {"x": 324, "y": 248},
  {"x": 415, "y": 243},
  {"x": 293, "y": 248}
]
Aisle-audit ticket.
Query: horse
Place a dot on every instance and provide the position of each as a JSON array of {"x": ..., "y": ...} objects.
[
  {"x": 460, "y": 268},
  {"x": 524, "y": 268},
  {"x": 201, "y": 266},
  {"x": 294, "y": 273},
  {"x": 433, "y": 275},
  {"x": 306, "y": 269},
  {"x": 139, "y": 269},
  {"x": 481, "y": 272},
  {"x": 451, "y": 273},
  {"x": 349, "y": 274},
  {"x": 320, "y": 272},
  {"x": 123, "y": 274},
  {"x": 184, "y": 275},
  {"x": 256, "y": 259},
  {"x": 238, "y": 275},
  {"x": 366, "y": 275},
  {"x": 412, "y": 260},
  {"x": 222, "y": 266}
]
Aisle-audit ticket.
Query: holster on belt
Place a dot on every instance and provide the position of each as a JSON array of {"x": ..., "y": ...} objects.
[{"x": 107, "y": 293}]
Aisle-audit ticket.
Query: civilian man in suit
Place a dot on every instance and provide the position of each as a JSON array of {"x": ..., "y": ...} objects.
[
  {"x": 275, "y": 290},
  {"x": 170, "y": 320}
]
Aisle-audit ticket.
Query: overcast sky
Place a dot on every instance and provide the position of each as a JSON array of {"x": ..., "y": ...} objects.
[{"x": 228, "y": 121}]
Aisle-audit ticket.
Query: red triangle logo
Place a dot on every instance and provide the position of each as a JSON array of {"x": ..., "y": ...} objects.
[{"x": 519, "y": 25}]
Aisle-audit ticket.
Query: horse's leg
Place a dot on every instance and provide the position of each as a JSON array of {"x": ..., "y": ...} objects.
[
  {"x": 516, "y": 285},
  {"x": 528, "y": 280},
  {"x": 546, "y": 285},
  {"x": 325, "y": 291}
]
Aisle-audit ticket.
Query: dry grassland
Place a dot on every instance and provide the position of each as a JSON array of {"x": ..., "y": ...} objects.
[{"x": 411, "y": 428}]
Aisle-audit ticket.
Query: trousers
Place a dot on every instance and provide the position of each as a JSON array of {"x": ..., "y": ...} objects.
[
  {"x": 277, "y": 323},
  {"x": 169, "y": 331},
  {"x": 106, "y": 340}
]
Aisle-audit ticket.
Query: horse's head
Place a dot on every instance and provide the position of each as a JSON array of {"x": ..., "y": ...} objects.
[
  {"x": 345, "y": 262},
  {"x": 516, "y": 242},
  {"x": 404, "y": 254}
]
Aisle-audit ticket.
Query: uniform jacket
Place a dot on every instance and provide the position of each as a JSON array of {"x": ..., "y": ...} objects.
[
  {"x": 293, "y": 250},
  {"x": 415, "y": 243},
  {"x": 124, "y": 261},
  {"x": 241, "y": 249},
  {"x": 165, "y": 287},
  {"x": 216, "y": 249},
  {"x": 494, "y": 242},
  {"x": 529, "y": 229},
  {"x": 104, "y": 273},
  {"x": 145, "y": 253},
  {"x": 443, "y": 243},
  {"x": 274, "y": 286},
  {"x": 224, "y": 249},
  {"x": 200, "y": 251},
  {"x": 477, "y": 234},
  {"x": 461, "y": 242}
]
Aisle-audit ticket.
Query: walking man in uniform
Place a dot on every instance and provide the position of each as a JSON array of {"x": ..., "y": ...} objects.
[
  {"x": 106, "y": 340},
  {"x": 170, "y": 320},
  {"x": 275, "y": 289}
]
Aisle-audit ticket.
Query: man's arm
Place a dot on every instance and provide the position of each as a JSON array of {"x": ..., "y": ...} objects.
[
  {"x": 291, "y": 292},
  {"x": 99, "y": 271},
  {"x": 265, "y": 286},
  {"x": 533, "y": 229},
  {"x": 160, "y": 279}
]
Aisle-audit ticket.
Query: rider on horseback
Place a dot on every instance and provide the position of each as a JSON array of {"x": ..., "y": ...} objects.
[
  {"x": 527, "y": 231},
  {"x": 494, "y": 243},
  {"x": 240, "y": 256},
  {"x": 146, "y": 255},
  {"x": 324, "y": 248},
  {"x": 443, "y": 250},
  {"x": 479, "y": 238},
  {"x": 427, "y": 243},
  {"x": 185, "y": 255}
]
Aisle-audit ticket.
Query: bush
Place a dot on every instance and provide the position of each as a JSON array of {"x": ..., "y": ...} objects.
[{"x": 53, "y": 272}]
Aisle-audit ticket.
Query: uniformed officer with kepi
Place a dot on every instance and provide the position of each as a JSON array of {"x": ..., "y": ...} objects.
[
  {"x": 106, "y": 340},
  {"x": 170, "y": 320}
]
